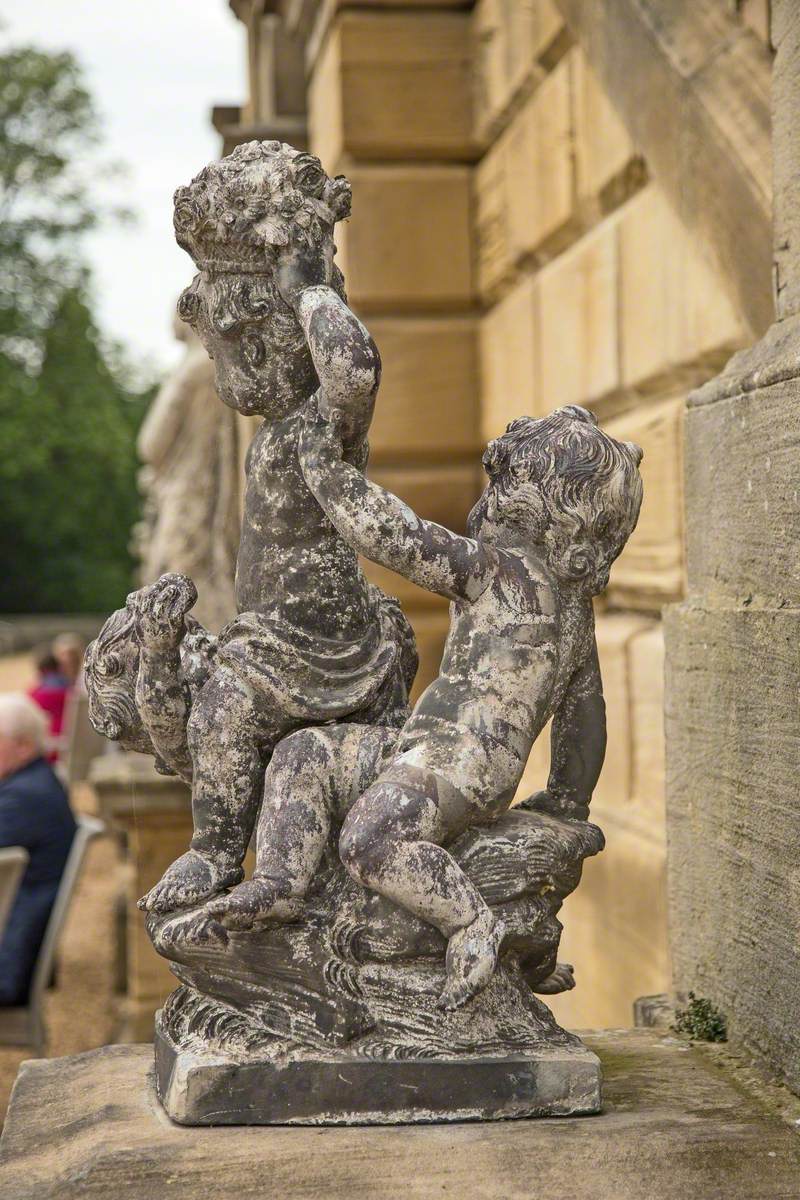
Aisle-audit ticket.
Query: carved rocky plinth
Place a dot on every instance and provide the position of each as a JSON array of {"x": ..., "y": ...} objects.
[{"x": 334, "y": 1017}]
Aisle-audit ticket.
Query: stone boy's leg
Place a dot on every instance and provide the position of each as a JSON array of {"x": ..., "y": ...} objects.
[
  {"x": 313, "y": 777},
  {"x": 230, "y": 737},
  {"x": 390, "y": 843}
]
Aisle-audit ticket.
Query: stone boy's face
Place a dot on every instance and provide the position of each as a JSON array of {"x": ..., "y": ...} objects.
[
  {"x": 261, "y": 369},
  {"x": 482, "y": 520},
  {"x": 111, "y": 684},
  {"x": 501, "y": 517}
]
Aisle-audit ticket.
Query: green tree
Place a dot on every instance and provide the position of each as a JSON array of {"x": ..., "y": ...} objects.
[
  {"x": 68, "y": 418},
  {"x": 69, "y": 483}
]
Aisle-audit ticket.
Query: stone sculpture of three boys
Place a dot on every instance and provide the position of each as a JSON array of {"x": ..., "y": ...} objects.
[{"x": 297, "y": 717}]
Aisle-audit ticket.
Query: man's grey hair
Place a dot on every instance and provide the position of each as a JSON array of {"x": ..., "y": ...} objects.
[{"x": 23, "y": 720}]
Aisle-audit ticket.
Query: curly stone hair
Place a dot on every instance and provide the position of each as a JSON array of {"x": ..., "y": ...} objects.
[
  {"x": 238, "y": 213},
  {"x": 234, "y": 219},
  {"x": 110, "y": 668},
  {"x": 570, "y": 486}
]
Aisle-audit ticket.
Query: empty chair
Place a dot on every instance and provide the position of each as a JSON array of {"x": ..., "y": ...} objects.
[
  {"x": 24, "y": 1025},
  {"x": 79, "y": 744},
  {"x": 13, "y": 861}
]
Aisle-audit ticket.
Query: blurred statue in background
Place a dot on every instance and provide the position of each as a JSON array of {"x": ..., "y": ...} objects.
[{"x": 187, "y": 437}]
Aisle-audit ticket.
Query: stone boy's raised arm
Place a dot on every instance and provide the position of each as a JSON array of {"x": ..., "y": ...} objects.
[
  {"x": 382, "y": 527},
  {"x": 345, "y": 358},
  {"x": 577, "y": 746}
]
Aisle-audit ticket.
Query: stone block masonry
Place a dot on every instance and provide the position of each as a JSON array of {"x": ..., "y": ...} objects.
[
  {"x": 605, "y": 299},
  {"x": 733, "y": 664}
]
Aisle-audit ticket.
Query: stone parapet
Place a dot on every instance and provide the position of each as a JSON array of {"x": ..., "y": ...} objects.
[
  {"x": 677, "y": 1121},
  {"x": 733, "y": 729},
  {"x": 742, "y": 449},
  {"x": 733, "y": 662}
]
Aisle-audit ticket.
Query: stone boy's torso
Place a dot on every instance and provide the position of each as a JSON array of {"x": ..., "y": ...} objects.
[
  {"x": 292, "y": 563},
  {"x": 498, "y": 652}
]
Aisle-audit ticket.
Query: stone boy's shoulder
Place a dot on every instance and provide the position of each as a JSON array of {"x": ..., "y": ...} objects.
[{"x": 527, "y": 583}]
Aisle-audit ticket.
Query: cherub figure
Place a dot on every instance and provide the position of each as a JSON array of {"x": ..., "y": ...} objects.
[
  {"x": 132, "y": 691},
  {"x": 562, "y": 500},
  {"x": 313, "y": 641}
]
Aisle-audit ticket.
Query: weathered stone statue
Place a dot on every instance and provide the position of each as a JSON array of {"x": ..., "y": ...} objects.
[
  {"x": 381, "y": 963},
  {"x": 188, "y": 437},
  {"x": 313, "y": 641}
]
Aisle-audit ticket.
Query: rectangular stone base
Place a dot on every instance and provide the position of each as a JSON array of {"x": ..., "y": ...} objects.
[{"x": 210, "y": 1089}]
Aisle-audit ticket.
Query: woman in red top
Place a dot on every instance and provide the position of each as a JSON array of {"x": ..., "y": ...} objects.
[{"x": 50, "y": 693}]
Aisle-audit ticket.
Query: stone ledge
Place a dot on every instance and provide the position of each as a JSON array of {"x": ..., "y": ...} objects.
[
  {"x": 775, "y": 359},
  {"x": 675, "y": 1125}
]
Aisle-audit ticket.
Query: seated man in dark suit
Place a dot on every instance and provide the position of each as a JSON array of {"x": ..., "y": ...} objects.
[{"x": 35, "y": 814}]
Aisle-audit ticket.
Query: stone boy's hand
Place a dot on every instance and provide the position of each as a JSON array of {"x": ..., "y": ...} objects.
[
  {"x": 160, "y": 611},
  {"x": 327, "y": 421},
  {"x": 345, "y": 357},
  {"x": 302, "y": 267}
]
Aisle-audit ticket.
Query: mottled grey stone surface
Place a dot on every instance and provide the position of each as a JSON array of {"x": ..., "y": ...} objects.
[
  {"x": 359, "y": 976},
  {"x": 203, "y": 1088},
  {"x": 398, "y": 913}
]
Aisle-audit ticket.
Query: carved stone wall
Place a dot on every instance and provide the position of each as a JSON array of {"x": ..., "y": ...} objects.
[
  {"x": 733, "y": 661},
  {"x": 513, "y": 250}
]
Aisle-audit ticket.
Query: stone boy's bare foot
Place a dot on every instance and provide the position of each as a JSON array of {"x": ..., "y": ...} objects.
[
  {"x": 472, "y": 955},
  {"x": 191, "y": 879},
  {"x": 561, "y": 980},
  {"x": 191, "y": 928},
  {"x": 252, "y": 903}
]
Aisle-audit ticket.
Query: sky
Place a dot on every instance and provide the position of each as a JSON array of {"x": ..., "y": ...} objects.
[{"x": 155, "y": 68}]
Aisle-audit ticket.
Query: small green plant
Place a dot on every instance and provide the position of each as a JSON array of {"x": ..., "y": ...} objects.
[{"x": 701, "y": 1021}]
